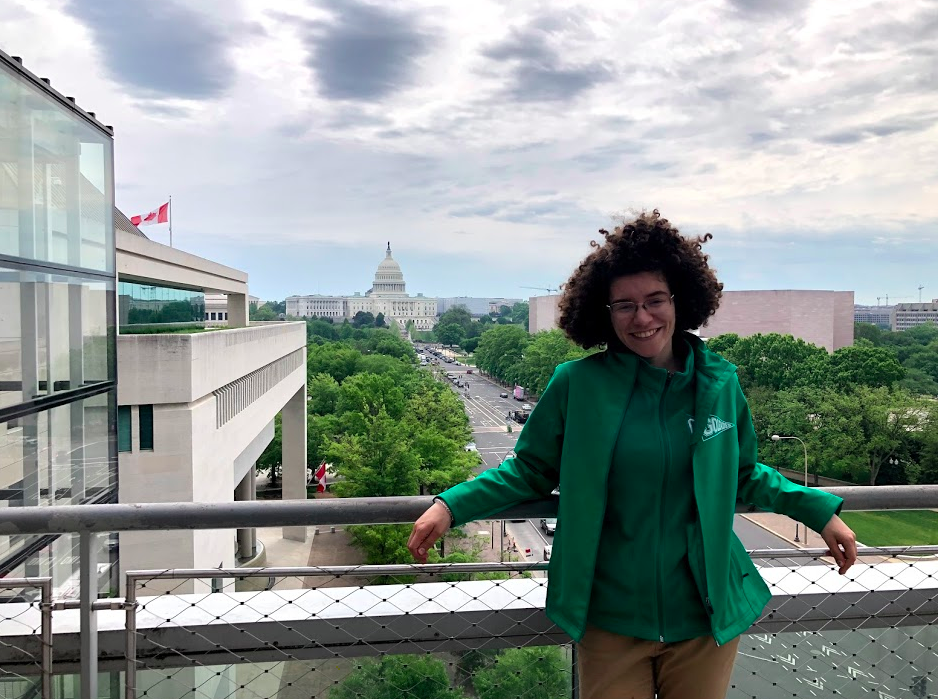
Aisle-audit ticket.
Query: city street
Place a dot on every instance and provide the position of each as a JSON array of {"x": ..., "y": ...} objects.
[{"x": 488, "y": 417}]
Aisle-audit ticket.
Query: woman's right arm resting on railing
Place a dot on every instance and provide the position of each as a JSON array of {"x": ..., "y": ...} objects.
[{"x": 530, "y": 475}]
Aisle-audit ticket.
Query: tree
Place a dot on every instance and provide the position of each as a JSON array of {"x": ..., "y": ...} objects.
[
  {"x": 336, "y": 359},
  {"x": 539, "y": 671},
  {"x": 379, "y": 321},
  {"x": 321, "y": 329},
  {"x": 450, "y": 334},
  {"x": 543, "y": 354},
  {"x": 500, "y": 350},
  {"x": 721, "y": 344},
  {"x": 376, "y": 463},
  {"x": 272, "y": 457},
  {"x": 469, "y": 345},
  {"x": 264, "y": 313},
  {"x": 520, "y": 313},
  {"x": 458, "y": 315},
  {"x": 504, "y": 311},
  {"x": 776, "y": 361},
  {"x": 396, "y": 676},
  {"x": 864, "y": 365},
  {"x": 323, "y": 392},
  {"x": 868, "y": 331},
  {"x": 363, "y": 318}
]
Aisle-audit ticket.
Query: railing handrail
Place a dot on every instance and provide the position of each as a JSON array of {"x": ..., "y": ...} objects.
[{"x": 391, "y": 510}]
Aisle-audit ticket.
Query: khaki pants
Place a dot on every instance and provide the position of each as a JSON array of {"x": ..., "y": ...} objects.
[{"x": 620, "y": 667}]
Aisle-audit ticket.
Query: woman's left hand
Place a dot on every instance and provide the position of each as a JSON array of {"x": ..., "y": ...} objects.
[{"x": 841, "y": 543}]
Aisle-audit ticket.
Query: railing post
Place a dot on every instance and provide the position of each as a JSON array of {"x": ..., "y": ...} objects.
[
  {"x": 88, "y": 562},
  {"x": 46, "y": 638},
  {"x": 130, "y": 649}
]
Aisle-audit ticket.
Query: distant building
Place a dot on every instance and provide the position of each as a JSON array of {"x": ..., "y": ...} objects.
[
  {"x": 880, "y": 316},
  {"x": 387, "y": 295},
  {"x": 216, "y": 308},
  {"x": 908, "y": 315},
  {"x": 823, "y": 318},
  {"x": 476, "y": 305}
]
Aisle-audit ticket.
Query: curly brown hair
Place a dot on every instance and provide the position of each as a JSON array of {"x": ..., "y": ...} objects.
[{"x": 647, "y": 244}]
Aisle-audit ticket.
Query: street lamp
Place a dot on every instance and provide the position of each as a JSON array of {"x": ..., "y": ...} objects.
[{"x": 776, "y": 438}]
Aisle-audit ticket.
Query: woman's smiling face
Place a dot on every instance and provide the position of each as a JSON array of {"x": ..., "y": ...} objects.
[{"x": 643, "y": 316}]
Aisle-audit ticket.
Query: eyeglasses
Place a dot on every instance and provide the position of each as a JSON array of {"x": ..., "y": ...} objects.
[{"x": 627, "y": 309}]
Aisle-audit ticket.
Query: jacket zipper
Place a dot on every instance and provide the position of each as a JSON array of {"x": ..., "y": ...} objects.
[{"x": 659, "y": 586}]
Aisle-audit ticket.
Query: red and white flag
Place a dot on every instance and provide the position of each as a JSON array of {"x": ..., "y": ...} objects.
[
  {"x": 321, "y": 477},
  {"x": 160, "y": 215}
]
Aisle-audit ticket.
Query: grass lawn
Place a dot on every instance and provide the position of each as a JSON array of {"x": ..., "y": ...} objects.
[{"x": 894, "y": 528}]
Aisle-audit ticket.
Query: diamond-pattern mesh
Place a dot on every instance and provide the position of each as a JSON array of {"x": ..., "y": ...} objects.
[
  {"x": 21, "y": 675},
  {"x": 478, "y": 630}
]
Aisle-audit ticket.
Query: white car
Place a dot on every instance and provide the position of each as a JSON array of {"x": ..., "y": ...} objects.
[
  {"x": 471, "y": 447},
  {"x": 527, "y": 406},
  {"x": 547, "y": 549}
]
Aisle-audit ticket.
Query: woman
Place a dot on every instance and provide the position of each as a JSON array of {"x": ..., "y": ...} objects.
[{"x": 651, "y": 443}]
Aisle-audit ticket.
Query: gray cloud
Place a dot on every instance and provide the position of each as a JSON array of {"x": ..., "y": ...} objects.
[
  {"x": 365, "y": 52},
  {"x": 538, "y": 72},
  {"x": 754, "y": 9},
  {"x": 160, "y": 48}
]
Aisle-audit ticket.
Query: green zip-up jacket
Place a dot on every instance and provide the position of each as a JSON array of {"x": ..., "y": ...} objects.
[{"x": 569, "y": 441}]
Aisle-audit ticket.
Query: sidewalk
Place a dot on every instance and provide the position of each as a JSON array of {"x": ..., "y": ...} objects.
[{"x": 784, "y": 528}]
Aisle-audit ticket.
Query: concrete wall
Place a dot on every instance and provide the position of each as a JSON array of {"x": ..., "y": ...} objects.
[
  {"x": 543, "y": 313},
  {"x": 140, "y": 259},
  {"x": 194, "y": 459},
  {"x": 192, "y": 366},
  {"x": 823, "y": 318}
]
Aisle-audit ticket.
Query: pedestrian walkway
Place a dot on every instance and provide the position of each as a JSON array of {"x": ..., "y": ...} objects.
[{"x": 784, "y": 528}]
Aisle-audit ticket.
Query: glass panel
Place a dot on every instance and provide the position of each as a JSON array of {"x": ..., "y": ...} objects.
[
  {"x": 145, "y": 304},
  {"x": 868, "y": 662},
  {"x": 146, "y": 427},
  {"x": 53, "y": 334},
  {"x": 124, "y": 429},
  {"x": 56, "y": 193},
  {"x": 62, "y": 456}
]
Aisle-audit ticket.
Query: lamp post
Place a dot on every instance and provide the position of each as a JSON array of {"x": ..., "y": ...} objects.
[{"x": 776, "y": 438}]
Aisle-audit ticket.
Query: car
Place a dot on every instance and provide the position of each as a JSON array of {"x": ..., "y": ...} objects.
[
  {"x": 471, "y": 447},
  {"x": 527, "y": 406},
  {"x": 503, "y": 394},
  {"x": 549, "y": 525},
  {"x": 468, "y": 371},
  {"x": 547, "y": 550}
]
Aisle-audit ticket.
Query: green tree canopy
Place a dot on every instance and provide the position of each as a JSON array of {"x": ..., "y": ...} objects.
[
  {"x": 543, "y": 354},
  {"x": 397, "y": 676},
  {"x": 323, "y": 393},
  {"x": 865, "y": 365},
  {"x": 336, "y": 359},
  {"x": 376, "y": 463},
  {"x": 776, "y": 361},
  {"x": 450, "y": 333},
  {"x": 539, "y": 671},
  {"x": 500, "y": 350},
  {"x": 520, "y": 313},
  {"x": 362, "y": 319},
  {"x": 379, "y": 321},
  {"x": 458, "y": 315}
]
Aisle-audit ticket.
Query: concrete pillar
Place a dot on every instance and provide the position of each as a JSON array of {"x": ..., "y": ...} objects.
[
  {"x": 293, "y": 441},
  {"x": 237, "y": 310},
  {"x": 247, "y": 536}
]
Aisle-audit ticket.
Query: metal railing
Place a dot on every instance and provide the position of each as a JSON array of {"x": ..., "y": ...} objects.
[{"x": 323, "y": 620}]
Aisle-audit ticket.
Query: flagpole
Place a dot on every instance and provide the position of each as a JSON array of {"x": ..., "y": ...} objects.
[{"x": 170, "y": 220}]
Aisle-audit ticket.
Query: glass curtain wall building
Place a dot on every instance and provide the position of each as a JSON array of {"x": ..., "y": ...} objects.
[
  {"x": 149, "y": 304},
  {"x": 57, "y": 328}
]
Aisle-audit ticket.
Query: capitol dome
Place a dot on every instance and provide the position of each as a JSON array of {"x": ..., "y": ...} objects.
[{"x": 389, "y": 279}]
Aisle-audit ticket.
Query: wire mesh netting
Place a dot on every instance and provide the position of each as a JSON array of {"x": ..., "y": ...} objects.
[
  {"x": 26, "y": 637},
  {"x": 479, "y": 630}
]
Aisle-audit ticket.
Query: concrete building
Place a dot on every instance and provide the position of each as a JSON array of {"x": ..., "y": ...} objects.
[
  {"x": 387, "y": 295},
  {"x": 908, "y": 315},
  {"x": 196, "y": 410},
  {"x": 57, "y": 355},
  {"x": 880, "y": 316},
  {"x": 823, "y": 318},
  {"x": 476, "y": 305},
  {"x": 216, "y": 308}
]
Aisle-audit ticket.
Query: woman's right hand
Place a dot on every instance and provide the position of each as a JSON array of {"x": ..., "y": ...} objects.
[{"x": 427, "y": 530}]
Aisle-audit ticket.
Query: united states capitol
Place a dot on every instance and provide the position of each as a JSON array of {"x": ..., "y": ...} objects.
[{"x": 388, "y": 296}]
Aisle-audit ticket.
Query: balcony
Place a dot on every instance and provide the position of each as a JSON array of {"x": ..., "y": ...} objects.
[{"x": 329, "y": 632}]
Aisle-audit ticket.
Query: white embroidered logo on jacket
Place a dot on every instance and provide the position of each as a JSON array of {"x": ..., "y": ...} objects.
[{"x": 715, "y": 426}]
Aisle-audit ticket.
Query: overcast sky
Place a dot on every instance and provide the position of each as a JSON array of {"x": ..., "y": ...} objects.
[{"x": 488, "y": 141}]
